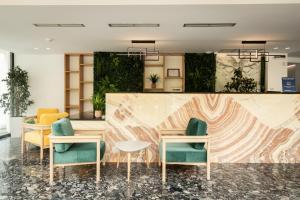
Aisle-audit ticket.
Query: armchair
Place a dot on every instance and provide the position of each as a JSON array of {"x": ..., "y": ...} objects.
[
  {"x": 37, "y": 128},
  {"x": 69, "y": 147},
  {"x": 185, "y": 147}
]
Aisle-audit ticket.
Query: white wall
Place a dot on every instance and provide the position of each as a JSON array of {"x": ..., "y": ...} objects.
[
  {"x": 46, "y": 79},
  {"x": 4, "y": 67},
  {"x": 276, "y": 68}
]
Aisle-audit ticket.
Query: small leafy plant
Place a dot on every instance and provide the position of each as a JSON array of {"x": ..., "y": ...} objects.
[
  {"x": 240, "y": 83},
  {"x": 154, "y": 78},
  {"x": 98, "y": 102}
]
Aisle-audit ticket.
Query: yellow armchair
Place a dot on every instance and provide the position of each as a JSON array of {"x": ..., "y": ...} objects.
[{"x": 37, "y": 133}]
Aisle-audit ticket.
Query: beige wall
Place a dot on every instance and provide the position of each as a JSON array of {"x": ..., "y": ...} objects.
[{"x": 46, "y": 79}]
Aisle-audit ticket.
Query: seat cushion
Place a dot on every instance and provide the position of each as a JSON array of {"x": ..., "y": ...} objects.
[
  {"x": 196, "y": 127},
  {"x": 34, "y": 137},
  {"x": 79, "y": 152},
  {"x": 62, "y": 127},
  {"x": 41, "y": 111},
  {"x": 183, "y": 152}
]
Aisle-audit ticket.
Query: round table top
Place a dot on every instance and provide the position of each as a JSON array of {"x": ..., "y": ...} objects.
[{"x": 132, "y": 145}]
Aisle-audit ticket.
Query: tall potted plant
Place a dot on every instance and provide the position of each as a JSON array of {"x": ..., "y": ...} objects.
[
  {"x": 17, "y": 99},
  {"x": 154, "y": 78}
]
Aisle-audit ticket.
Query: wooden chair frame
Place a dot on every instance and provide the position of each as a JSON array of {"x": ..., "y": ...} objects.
[
  {"x": 89, "y": 136},
  {"x": 178, "y": 136},
  {"x": 34, "y": 127}
]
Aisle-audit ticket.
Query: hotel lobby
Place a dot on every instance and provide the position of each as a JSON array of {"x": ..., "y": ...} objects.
[{"x": 150, "y": 99}]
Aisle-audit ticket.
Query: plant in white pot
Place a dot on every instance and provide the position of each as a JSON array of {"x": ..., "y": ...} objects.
[
  {"x": 101, "y": 88},
  {"x": 154, "y": 78},
  {"x": 17, "y": 99},
  {"x": 99, "y": 105}
]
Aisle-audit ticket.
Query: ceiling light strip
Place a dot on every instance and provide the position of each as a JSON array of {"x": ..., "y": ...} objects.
[
  {"x": 58, "y": 25},
  {"x": 133, "y": 25},
  {"x": 209, "y": 25}
]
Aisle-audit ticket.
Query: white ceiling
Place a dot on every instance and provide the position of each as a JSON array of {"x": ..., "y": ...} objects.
[{"x": 276, "y": 23}]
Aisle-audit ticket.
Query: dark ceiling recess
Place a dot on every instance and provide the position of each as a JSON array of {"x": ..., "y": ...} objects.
[
  {"x": 143, "y": 41},
  {"x": 133, "y": 25},
  {"x": 58, "y": 25},
  {"x": 209, "y": 24},
  {"x": 254, "y": 42}
]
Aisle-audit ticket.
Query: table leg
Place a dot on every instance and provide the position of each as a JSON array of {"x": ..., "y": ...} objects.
[
  {"x": 147, "y": 157},
  {"x": 118, "y": 161},
  {"x": 128, "y": 166}
]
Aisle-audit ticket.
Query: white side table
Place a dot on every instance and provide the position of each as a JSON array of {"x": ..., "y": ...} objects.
[{"x": 130, "y": 147}]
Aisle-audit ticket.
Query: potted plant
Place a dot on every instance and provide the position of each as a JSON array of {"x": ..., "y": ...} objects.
[
  {"x": 17, "y": 99},
  {"x": 154, "y": 79},
  {"x": 99, "y": 105},
  {"x": 101, "y": 88},
  {"x": 240, "y": 83}
]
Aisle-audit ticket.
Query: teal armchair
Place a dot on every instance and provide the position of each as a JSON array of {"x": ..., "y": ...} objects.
[
  {"x": 188, "y": 146},
  {"x": 69, "y": 147}
]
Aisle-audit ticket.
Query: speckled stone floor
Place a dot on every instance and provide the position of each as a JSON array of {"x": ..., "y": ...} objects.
[{"x": 27, "y": 179}]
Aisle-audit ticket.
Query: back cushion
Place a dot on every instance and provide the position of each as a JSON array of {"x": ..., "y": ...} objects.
[
  {"x": 196, "y": 127},
  {"x": 41, "y": 111},
  {"x": 62, "y": 127}
]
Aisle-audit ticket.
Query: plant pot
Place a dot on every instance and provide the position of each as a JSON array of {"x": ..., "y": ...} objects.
[
  {"x": 15, "y": 126},
  {"x": 153, "y": 85},
  {"x": 98, "y": 114}
]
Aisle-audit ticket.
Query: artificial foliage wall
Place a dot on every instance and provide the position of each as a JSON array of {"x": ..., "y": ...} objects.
[
  {"x": 126, "y": 73},
  {"x": 200, "y": 72}
]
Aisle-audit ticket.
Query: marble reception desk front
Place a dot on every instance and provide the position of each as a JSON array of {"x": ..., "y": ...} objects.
[{"x": 244, "y": 128}]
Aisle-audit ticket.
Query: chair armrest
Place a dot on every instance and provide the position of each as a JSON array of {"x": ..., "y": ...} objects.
[
  {"x": 75, "y": 139},
  {"x": 184, "y": 139},
  {"x": 98, "y": 132},
  {"x": 29, "y": 117},
  {"x": 36, "y": 126},
  {"x": 176, "y": 131}
]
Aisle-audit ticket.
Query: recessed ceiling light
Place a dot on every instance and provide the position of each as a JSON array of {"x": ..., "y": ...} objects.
[
  {"x": 49, "y": 39},
  {"x": 276, "y": 48},
  {"x": 287, "y": 48},
  {"x": 48, "y": 48},
  {"x": 209, "y": 24},
  {"x": 58, "y": 25},
  {"x": 149, "y": 25},
  {"x": 36, "y": 48}
]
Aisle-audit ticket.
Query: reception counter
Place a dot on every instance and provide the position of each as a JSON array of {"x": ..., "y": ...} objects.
[{"x": 244, "y": 128}]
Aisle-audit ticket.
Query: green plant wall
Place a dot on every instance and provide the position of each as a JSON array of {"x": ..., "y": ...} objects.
[
  {"x": 126, "y": 73},
  {"x": 200, "y": 72}
]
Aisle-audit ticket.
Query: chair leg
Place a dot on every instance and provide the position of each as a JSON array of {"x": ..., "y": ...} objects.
[
  {"x": 41, "y": 154},
  {"x": 98, "y": 163},
  {"x": 159, "y": 161},
  {"x": 208, "y": 170},
  {"x": 118, "y": 159},
  {"x": 51, "y": 163}
]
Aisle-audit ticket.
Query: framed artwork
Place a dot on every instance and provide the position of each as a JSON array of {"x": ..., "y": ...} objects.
[{"x": 173, "y": 72}]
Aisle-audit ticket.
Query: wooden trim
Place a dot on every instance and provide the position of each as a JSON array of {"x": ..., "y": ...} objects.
[
  {"x": 74, "y": 164},
  {"x": 36, "y": 126}
]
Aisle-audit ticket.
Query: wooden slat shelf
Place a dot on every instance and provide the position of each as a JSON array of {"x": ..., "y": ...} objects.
[
  {"x": 72, "y": 106},
  {"x": 85, "y": 99},
  {"x": 72, "y": 71},
  {"x": 173, "y": 77},
  {"x": 87, "y": 65},
  {"x": 77, "y": 85},
  {"x": 152, "y": 65},
  {"x": 87, "y": 82},
  {"x": 154, "y": 90}
]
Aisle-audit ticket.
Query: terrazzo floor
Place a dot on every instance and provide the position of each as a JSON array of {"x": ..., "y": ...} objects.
[{"x": 27, "y": 179}]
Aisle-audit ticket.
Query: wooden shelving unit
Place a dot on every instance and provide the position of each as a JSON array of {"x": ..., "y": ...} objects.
[
  {"x": 79, "y": 85},
  {"x": 160, "y": 67}
]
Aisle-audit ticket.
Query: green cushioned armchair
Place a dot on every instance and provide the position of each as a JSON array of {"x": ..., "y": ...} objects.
[
  {"x": 185, "y": 146},
  {"x": 81, "y": 147}
]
